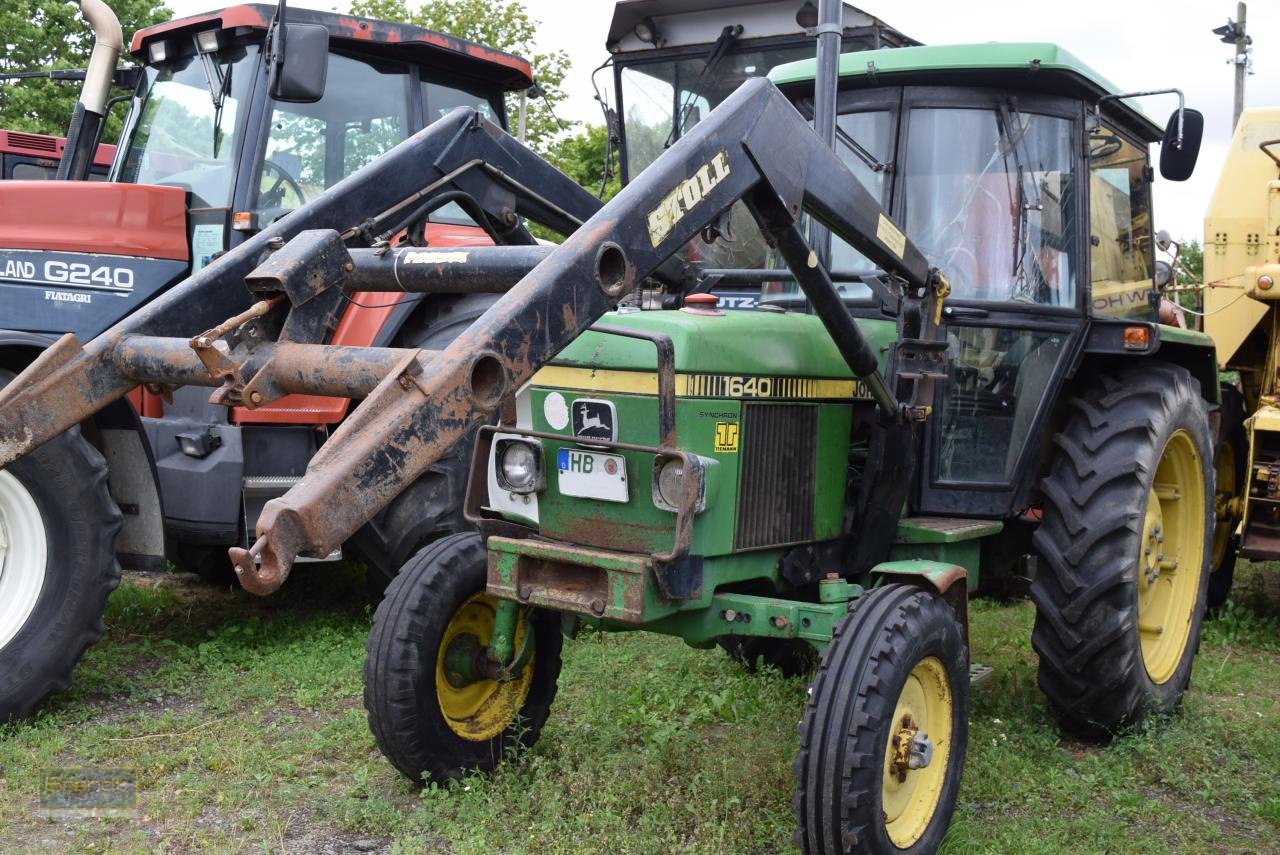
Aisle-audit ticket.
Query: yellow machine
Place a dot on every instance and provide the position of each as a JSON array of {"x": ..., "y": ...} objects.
[{"x": 1241, "y": 300}]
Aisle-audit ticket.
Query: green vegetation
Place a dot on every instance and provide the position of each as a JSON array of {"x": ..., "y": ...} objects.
[
  {"x": 243, "y": 720},
  {"x": 500, "y": 24},
  {"x": 44, "y": 34}
]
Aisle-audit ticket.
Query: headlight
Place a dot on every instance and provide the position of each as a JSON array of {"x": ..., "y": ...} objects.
[
  {"x": 519, "y": 466},
  {"x": 669, "y": 484}
]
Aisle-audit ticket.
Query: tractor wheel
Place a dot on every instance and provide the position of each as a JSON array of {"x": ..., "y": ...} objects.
[
  {"x": 1230, "y": 465},
  {"x": 883, "y": 737},
  {"x": 1120, "y": 590},
  {"x": 430, "y": 721},
  {"x": 431, "y": 506},
  {"x": 58, "y": 529},
  {"x": 791, "y": 657}
]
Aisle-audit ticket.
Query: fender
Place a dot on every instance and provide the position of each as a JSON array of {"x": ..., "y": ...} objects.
[
  {"x": 948, "y": 581},
  {"x": 140, "y": 544}
]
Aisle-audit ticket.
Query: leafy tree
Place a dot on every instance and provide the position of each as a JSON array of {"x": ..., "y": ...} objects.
[
  {"x": 582, "y": 158},
  {"x": 1190, "y": 263},
  {"x": 501, "y": 24},
  {"x": 43, "y": 34}
]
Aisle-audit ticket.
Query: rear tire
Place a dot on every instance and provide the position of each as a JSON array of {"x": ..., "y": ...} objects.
[
  {"x": 1116, "y": 628},
  {"x": 895, "y": 670},
  {"x": 430, "y": 507},
  {"x": 426, "y": 726},
  {"x": 57, "y": 566}
]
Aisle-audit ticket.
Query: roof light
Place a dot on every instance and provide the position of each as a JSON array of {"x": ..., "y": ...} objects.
[
  {"x": 207, "y": 41},
  {"x": 647, "y": 31},
  {"x": 158, "y": 52}
]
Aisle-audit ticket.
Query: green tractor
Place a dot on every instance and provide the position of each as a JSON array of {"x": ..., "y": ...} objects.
[{"x": 727, "y": 478}]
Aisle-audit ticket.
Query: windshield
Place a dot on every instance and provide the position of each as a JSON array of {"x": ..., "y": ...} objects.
[
  {"x": 987, "y": 197},
  {"x": 181, "y": 138},
  {"x": 653, "y": 93}
]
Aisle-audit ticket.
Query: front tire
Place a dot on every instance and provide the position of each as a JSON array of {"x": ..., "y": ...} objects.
[
  {"x": 58, "y": 527},
  {"x": 1124, "y": 545},
  {"x": 892, "y": 684},
  {"x": 428, "y": 720}
]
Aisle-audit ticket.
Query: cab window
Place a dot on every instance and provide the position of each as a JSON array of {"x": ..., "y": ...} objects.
[
  {"x": 1120, "y": 253},
  {"x": 311, "y": 147},
  {"x": 987, "y": 197}
]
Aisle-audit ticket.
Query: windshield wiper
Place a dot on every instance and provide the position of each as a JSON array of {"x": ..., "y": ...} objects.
[
  {"x": 721, "y": 47},
  {"x": 860, "y": 151}
]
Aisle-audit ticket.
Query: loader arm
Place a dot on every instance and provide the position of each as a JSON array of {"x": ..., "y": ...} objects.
[
  {"x": 461, "y": 153},
  {"x": 755, "y": 147}
]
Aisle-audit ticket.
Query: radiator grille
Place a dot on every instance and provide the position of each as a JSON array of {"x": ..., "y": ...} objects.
[{"x": 779, "y": 456}]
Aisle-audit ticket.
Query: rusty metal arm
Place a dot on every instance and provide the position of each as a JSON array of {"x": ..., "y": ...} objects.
[
  {"x": 754, "y": 147},
  {"x": 460, "y": 152}
]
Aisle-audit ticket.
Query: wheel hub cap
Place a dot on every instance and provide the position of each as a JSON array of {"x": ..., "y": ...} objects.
[
  {"x": 1171, "y": 552},
  {"x": 917, "y": 753},
  {"x": 476, "y": 707}
]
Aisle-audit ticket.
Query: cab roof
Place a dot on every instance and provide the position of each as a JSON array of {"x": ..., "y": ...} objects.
[
  {"x": 1039, "y": 66},
  {"x": 363, "y": 35}
]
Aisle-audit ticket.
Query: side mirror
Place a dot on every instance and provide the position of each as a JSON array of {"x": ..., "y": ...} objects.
[
  {"x": 1178, "y": 156},
  {"x": 298, "y": 62}
]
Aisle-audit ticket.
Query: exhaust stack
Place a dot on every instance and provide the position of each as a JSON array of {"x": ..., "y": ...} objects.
[{"x": 91, "y": 110}]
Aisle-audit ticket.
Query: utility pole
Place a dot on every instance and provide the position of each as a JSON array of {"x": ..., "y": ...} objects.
[{"x": 1233, "y": 32}]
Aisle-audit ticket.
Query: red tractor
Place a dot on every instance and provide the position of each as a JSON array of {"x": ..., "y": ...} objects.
[{"x": 237, "y": 118}]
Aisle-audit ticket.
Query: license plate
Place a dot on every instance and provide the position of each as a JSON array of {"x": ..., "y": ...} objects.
[{"x": 592, "y": 475}]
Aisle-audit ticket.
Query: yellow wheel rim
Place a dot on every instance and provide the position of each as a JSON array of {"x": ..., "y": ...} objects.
[
  {"x": 923, "y": 714},
  {"x": 481, "y": 709},
  {"x": 1225, "y": 466},
  {"x": 1170, "y": 558}
]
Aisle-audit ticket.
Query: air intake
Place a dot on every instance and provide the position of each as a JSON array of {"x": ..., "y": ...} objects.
[
  {"x": 33, "y": 142},
  {"x": 779, "y": 457}
]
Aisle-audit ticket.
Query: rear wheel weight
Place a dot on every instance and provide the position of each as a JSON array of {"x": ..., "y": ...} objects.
[
  {"x": 892, "y": 683},
  {"x": 429, "y": 720},
  {"x": 1124, "y": 548}
]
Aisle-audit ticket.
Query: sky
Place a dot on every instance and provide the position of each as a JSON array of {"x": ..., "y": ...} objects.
[{"x": 1137, "y": 44}]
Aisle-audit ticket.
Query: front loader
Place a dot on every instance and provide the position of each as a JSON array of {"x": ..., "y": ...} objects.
[{"x": 228, "y": 133}]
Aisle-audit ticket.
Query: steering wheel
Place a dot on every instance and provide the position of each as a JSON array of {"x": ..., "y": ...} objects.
[{"x": 274, "y": 195}]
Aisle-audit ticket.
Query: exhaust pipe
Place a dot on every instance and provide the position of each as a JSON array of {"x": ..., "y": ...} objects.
[{"x": 91, "y": 110}]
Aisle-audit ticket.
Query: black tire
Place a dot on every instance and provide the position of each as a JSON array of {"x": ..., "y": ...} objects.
[
  {"x": 1233, "y": 446},
  {"x": 792, "y": 658},
  {"x": 430, "y": 507},
  {"x": 67, "y": 480},
  {"x": 1093, "y": 555},
  {"x": 841, "y": 795},
  {"x": 400, "y": 692}
]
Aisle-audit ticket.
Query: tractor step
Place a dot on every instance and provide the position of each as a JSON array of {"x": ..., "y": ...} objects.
[
  {"x": 979, "y": 672},
  {"x": 945, "y": 529}
]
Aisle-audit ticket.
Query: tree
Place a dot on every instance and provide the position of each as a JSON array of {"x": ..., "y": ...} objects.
[
  {"x": 501, "y": 24},
  {"x": 43, "y": 34},
  {"x": 1190, "y": 263},
  {"x": 582, "y": 158}
]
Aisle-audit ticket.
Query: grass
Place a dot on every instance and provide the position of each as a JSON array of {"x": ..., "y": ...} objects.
[{"x": 243, "y": 721}]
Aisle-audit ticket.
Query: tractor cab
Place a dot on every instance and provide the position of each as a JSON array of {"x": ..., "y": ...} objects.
[
  {"x": 674, "y": 62},
  {"x": 202, "y": 118},
  {"x": 1020, "y": 174}
]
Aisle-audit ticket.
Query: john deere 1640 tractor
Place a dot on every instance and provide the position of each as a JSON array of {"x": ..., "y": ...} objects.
[{"x": 970, "y": 372}]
